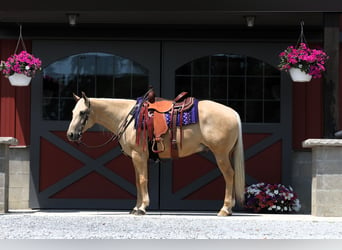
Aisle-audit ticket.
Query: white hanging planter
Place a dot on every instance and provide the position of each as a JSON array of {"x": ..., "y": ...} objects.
[
  {"x": 19, "y": 79},
  {"x": 299, "y": 76}
]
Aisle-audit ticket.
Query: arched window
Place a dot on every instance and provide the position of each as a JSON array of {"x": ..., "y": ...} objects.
[
  {"x": 96, "y": 74},
  {"x": 250, "y": 86}
]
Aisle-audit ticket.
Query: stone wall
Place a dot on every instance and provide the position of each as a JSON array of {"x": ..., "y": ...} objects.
[
  {"x": 19, "y": 177},
  {"x": 4, "y": 171},
  {"x": 326, "y": 176}
]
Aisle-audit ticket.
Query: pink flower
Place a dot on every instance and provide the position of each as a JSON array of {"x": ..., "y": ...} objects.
[{"x": 23, "y": 62}]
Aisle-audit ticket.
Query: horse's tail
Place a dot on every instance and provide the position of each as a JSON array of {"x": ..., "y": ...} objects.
[{"x": 239, "y": 166}]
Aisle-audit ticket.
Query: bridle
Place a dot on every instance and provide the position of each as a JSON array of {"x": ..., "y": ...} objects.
[{"x": 114, "y": 137}]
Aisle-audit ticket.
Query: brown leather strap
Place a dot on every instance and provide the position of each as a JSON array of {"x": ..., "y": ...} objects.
[
  {"x": 180, "y": 96},
  {"x": 180, "y": 126},
  {"x": 173, "y": 128}
]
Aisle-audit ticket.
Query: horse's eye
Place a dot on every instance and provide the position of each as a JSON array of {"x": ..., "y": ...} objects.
[{"x": 82, "y": 113}]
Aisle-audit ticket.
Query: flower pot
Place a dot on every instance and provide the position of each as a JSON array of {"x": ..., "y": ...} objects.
[
  {"x": 299, "y": 76},
  {"x": 19, "y": 79}
]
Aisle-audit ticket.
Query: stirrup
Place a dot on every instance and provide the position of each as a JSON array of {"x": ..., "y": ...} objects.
[{"x": 154, "y": 147}]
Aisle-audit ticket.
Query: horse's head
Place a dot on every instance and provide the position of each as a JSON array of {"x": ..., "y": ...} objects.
[{"x": 81, "y": 118}]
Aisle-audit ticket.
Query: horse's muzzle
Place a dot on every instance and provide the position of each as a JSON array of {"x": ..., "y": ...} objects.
[{"x": 74, "y": 136}]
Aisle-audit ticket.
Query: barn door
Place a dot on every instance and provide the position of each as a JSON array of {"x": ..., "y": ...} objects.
[
  {"x": 66, "y": 175},
  {"x": 243, "y": 76}
]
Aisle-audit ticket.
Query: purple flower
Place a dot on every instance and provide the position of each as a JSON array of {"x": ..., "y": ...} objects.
[{"x": 276, "y": 198}]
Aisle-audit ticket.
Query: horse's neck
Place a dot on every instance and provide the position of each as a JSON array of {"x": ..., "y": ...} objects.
[{"x": 110, "y": 113}]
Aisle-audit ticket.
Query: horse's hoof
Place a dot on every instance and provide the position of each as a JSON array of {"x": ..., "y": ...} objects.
[
  {"x": 224, "y": 212},
  {"x": 134, "y": 212},
  {"x": 140, "y": 212}
]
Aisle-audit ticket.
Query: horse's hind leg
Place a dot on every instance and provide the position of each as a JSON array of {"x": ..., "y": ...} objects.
[{"x": 225, "y": 166}]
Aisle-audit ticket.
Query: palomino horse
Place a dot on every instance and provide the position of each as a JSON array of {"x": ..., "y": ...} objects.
[{"x": 218, "y": 129}]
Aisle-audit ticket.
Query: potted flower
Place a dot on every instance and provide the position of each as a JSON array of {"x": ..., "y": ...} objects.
[
  {"x": 302, "y": 62},
  {"x": 271, "y": 198},
  {"x": 20, "y": 68}
]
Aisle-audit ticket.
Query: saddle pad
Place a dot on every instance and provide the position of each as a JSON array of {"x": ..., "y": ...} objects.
[{"x": 189, "y": 117}]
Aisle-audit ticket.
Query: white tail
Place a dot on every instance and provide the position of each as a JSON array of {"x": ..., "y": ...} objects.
[{"x": 239, "y": 167}]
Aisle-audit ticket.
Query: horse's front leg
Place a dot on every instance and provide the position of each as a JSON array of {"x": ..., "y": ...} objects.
[
  {"x": 138, "y": 202},
  {"x": 141, "y": 176}
]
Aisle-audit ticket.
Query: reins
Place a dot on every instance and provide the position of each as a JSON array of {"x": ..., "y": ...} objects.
[
  {"x": 122, "y": 127},
  {"x": 113, "y": 138}
]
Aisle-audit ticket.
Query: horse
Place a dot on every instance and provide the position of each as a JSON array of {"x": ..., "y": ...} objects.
[{"x": 218, "y": 129}]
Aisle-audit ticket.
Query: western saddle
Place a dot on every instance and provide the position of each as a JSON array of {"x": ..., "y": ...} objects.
[{"x": 153, "y": 124}]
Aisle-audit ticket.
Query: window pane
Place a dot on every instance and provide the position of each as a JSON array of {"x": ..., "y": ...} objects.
[
  {"x": 86, "y": 83},
  {"x": 219, "y": 65},
  {"x": 236, "y": 89},
  {"x": 105, "y": 86},
  {"x": 68, "y": 86},
  {"x": 122, "y": 86},
  {"x": 237, "y": 65},
  {"x": 66, "y": 106},
  {"x": 254, "y": 66},
  {"x": 254, "y": 88},
  {"x": 50, "y": 87},
  {"x": 254, "y": 111},
  {"x": 272, "y": 88},
  {"x": 219, "y": 87},
  {"x": 50, "y": 108},
  {"x": 200, "y": 86},
  {"x": 139, "y": 87}
]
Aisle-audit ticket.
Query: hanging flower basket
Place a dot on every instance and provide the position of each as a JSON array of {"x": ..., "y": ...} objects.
[
  {"x": 299, "y": 76},
  {"x": 301, "y": 62},
  {"x": 19, "y": 79},
  {"x": 20, "y": 68}
]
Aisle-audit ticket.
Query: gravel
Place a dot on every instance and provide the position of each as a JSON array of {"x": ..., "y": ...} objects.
[{"x": 121, "y": 225}]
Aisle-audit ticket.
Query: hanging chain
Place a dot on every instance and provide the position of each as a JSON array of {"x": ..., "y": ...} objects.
[
  {"x": 301, "y": 38},
  {"x": 20, "y": 39}
]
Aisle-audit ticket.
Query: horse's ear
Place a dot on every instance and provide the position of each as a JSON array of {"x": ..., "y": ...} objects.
[
  {"x": 76, "y": 97},
  {"x": 86, "y": 99}
]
